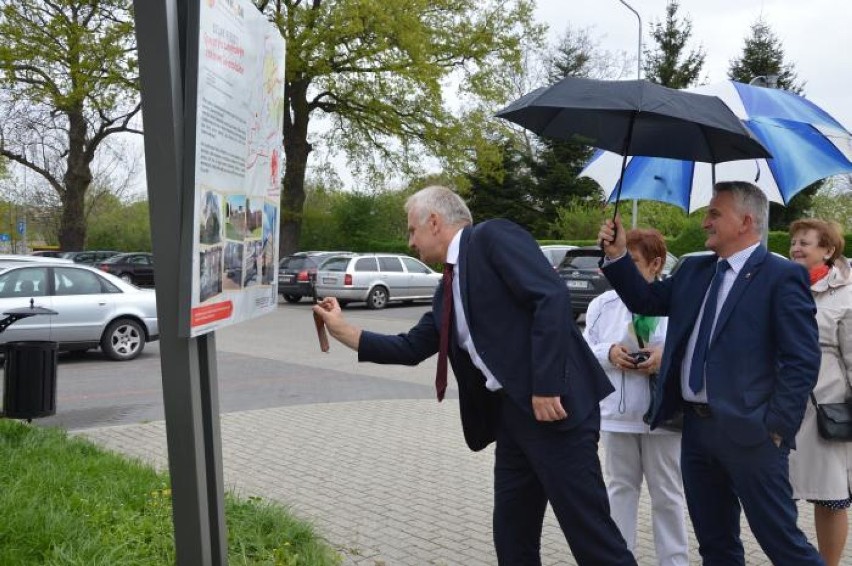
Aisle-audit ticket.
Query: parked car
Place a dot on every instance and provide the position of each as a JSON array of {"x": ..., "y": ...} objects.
[
  {"x": 582, "y": 275},
  {"x": 376, "y": 279},
  {"x": 94, "y": 309},
  {"x": 136, "y": 268},
  {"x": 47, "y": 253},
  {"x": 297, "y": 274},
  {"x": 12, "y": 258},
  {"x": 90, "y": 257},
  {"x": 555, "y": 253}
]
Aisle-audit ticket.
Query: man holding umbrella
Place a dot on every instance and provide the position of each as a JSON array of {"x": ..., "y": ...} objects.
[{"x": 740, "y": 358}]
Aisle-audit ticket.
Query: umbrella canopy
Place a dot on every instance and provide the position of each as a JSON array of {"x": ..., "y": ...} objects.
[
  {"x": 635, "y": 118},
  {"x": 806, "y": 142}
]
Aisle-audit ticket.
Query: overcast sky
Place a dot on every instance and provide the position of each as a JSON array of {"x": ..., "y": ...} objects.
[{"x": 815, "y": 35}]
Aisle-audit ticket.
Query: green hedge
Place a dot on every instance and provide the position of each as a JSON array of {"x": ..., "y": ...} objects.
[{"x": 690, "y": 240}]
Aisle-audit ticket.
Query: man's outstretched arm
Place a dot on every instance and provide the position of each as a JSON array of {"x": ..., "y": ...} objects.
[{"x": 340, "y": 330}]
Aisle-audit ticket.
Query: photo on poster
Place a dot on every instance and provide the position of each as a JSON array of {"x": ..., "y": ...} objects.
[
  {"x": 270, "y": 227},
  {"x": 254, "y": 217},
  {"x": 235, "y": 217},
  {"x": 233, "y": 266},
  {"x": 252, "y": 263},
  {"x": 210, "y": 218},
  {"x": 210, "y": 277}
]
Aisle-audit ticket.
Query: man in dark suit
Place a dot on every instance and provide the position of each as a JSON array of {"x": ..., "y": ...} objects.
[
  {"x": 740, "y": 358},
  {"x": 525, "y": 375}
]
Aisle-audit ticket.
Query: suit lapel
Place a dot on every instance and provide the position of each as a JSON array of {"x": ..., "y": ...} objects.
[
  {"x": 743, "y": 280},
  {"x": 463, "y": 269}
]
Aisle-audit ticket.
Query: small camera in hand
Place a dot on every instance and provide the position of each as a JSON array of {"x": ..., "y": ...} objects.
[{"x": 639, "y": 357}]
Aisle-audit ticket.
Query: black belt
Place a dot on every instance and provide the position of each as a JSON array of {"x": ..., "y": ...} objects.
[{"x": 700, "y": 409}]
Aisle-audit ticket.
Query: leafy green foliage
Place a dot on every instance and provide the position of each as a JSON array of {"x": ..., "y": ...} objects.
[
  {"x": 667, "y": 63},
  {"x": 834, "y": 202},
  {"x": 66, "y": 501},
  {"x": 377, "y": 69},
  {"x": 579, "y": 220},
  {"x": 354, "y": 221},
  {"x": 69, "y": 73},
  {"x": 119, "y": 226}
]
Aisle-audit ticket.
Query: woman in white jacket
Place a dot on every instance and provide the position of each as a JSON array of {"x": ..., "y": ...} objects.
[
  {"x": 631, "y": 449},
  {"x": 821, "y": 470}
]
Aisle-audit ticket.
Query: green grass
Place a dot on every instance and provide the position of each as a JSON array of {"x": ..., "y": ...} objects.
[{"x": 64, "y": 501}]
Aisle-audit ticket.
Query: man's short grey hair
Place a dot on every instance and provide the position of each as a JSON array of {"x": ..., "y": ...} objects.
[
  {"x": 749, "y": 199},
  {"x": 443, "y": 202}
]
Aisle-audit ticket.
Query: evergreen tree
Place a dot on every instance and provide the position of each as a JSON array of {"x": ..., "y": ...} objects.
[
  {"x": 763, "y": 56},
  {"x": 555, "y": 169},
  {"x": 507, "y": 192},
  {"x": 668, "y": 64}
]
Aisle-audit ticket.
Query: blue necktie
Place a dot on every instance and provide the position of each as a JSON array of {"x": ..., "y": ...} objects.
[{"x": 699, "y": 355}]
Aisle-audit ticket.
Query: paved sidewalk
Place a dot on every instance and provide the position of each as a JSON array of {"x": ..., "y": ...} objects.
[{"x": 387, "y": 482}]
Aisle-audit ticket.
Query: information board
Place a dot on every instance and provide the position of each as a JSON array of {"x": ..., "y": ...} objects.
[{"x": 238, "y": 156}]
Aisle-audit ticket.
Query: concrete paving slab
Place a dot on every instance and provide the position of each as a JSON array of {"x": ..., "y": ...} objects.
[{"x": 386, "y": 482}]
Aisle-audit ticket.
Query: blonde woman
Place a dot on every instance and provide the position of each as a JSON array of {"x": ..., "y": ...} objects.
[{"x": 820, "y": 469}]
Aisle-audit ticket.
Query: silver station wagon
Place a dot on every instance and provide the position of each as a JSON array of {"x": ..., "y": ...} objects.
[{"x": 375, "y": 279}]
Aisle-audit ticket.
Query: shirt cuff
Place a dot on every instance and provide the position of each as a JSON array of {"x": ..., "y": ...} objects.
[{"x": 607, "y": 260}]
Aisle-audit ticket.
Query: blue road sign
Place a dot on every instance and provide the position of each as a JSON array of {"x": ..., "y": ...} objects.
[
  {"x": 22, "y": 227},
  {"x": 4, "y": 237}
]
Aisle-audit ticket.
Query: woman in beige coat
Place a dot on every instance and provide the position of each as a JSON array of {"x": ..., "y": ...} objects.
[{"x": 820, "y": 469}]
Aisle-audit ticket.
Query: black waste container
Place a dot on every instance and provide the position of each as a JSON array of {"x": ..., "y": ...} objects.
[{"x": 29, "y": 386}]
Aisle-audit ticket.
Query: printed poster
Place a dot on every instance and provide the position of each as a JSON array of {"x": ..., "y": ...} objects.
[{"x": 239, "y": 118}]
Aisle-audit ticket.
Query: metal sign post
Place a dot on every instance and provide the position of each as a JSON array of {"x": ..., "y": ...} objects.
[{"x": 164, "y": 29}]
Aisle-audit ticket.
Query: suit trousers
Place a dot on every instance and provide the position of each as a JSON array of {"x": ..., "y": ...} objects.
[
  {"x": 540, "y": 462},
  {"x": 719, "y": 475},
  {"x": 628, "y": 458}
]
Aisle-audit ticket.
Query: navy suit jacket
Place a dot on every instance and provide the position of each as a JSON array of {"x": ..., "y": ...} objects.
[
  {"x": 519, "y": 314},
  {"x": 764, "y": 354}
]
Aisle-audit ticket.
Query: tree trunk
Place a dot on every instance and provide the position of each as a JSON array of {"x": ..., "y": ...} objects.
[
  {"x": 78, "y": 177},
  {"x": 296, "y": 151}
]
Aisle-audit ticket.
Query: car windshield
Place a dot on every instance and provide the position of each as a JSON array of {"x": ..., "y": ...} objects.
[
  {"x": 580, "y": 262},
  {"x": 294, "y": 263},
  {"x": 335, "y": 264}
]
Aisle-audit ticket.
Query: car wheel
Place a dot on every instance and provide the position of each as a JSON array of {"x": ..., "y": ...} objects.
[
  {"x": 126, "y": 277},
  {"x": 292, "y": 298},
  {"x": 123, "y": 340},
  {"x": 378, "y": 298}
]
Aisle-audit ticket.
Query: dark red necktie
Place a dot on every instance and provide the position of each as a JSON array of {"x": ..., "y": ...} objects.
[{"x": 446, "y": 314}]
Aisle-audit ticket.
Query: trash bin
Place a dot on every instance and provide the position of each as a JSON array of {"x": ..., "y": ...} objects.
[{"x": 29, "y": 386}]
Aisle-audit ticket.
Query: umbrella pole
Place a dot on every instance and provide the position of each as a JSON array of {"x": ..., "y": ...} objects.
[{"x": 624, "y": 163}]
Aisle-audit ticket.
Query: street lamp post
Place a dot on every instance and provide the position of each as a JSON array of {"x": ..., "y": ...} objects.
[{"x": 638, "y": 76}]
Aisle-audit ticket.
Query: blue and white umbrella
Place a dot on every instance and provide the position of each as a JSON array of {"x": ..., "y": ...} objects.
[{"x": 807, "y": 145}]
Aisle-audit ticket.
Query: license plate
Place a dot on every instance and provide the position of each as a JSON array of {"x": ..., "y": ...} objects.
[
  {"x": 329, "y": 280},
  {"x": 287, "y": 278},
  {"x": 577, "y": 284}
]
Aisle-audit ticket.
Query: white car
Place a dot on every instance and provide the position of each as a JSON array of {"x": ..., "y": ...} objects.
[
  {"x": 94, "y": 309},
  {"x": 10, "y": 258},
  {"x": 375, "y": 279}
]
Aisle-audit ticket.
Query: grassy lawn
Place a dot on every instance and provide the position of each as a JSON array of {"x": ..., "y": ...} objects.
[{"x": 65, "y": 501}]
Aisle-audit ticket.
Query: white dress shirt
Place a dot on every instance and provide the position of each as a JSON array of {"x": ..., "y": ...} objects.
[
  {"x": 736, "y": 261},
  {"x": 465, "y": 340}
]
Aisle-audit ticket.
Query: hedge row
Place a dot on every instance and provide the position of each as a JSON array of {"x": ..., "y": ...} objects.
[{"x": 690, "y": 240}]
